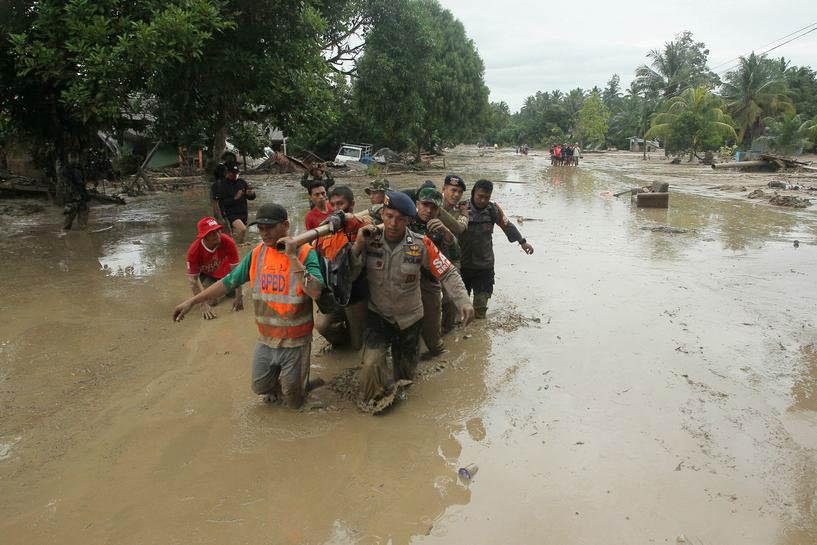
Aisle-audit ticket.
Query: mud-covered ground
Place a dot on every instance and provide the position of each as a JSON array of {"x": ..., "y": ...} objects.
[{"x": 630, "y": 385}]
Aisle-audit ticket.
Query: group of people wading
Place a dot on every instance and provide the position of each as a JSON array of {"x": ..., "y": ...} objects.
[
  {"x": 413, "y": 266},
  {"x": 565, "y": 154}
]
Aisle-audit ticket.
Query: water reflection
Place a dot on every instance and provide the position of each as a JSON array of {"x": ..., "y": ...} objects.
[{"x": 135, "y": 256}]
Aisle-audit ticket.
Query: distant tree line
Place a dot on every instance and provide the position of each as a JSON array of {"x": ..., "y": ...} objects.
[{"x": 677, "y": 98}]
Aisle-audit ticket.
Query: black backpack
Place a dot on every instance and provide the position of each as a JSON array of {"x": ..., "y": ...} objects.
[{"x": 337, "y": 276}]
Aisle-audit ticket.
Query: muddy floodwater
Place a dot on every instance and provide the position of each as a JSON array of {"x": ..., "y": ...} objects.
[{"x": 629, "y": 386}]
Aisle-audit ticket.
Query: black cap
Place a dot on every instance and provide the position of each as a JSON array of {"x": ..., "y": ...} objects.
[
  {"x": 270, "y": 214},
  {"x": 232, "y": 167},
  {"x": 453, "y": 179}
]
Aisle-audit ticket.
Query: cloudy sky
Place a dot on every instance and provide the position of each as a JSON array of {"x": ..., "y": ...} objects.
[{"x": 528, "y": 48}]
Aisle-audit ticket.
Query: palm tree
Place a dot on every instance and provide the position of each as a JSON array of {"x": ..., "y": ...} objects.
[
  {"x": 666, "y": 72},
  {"x": 701, "y": 113},
  {"x": 680, "y": 64},
  {"x": 788, "y": 134},
  {"x": 757, "y": 89}
]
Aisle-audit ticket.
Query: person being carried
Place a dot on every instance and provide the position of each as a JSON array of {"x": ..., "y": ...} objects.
[
  {"x": 230, "y": 197},
  {"x": 344, "y": 325},
  {"x": 283, "y": 287},
  {"x": 478, "y": 247},
  {"x": 393, "y": 258},
  {"x": 427, "y": 223},
  {"x": 209, "y": 259}
]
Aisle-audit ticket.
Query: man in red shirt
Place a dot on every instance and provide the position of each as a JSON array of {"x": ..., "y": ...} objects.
[
  {"x": 320, "y": 205},
  {"x": 209, "y": 259}
]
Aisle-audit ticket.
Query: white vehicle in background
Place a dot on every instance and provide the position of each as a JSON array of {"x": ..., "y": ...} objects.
[{"x": 349, "y": 153}]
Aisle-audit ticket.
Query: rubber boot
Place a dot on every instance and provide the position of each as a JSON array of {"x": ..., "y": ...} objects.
[{"x": 481, "y": 304}]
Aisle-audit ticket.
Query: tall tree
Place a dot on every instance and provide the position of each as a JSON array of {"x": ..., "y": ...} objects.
[
  {"x": 425, "y": 87},
  {"x": 756, "y": 89},
  {"x": 612, "y": 93},
  {"x": 680, "y": 64},
  {"x": 592, "y": 125},
  {"x": 693, "y": 121},
  {"x": 69, "y": 69},
  {"x": 802, "y": 87}
]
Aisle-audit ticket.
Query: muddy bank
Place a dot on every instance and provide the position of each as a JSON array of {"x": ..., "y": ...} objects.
[{"x": 630, "y": 385}]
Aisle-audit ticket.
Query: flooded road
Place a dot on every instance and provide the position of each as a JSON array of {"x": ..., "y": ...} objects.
[{"x": 629, "y": 386}]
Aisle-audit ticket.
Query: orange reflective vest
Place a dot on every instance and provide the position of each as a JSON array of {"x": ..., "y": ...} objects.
[{"x": 282, "y": 309}]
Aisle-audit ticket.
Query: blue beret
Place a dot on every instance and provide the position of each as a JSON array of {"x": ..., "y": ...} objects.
[{"x": 401, "y": 202}]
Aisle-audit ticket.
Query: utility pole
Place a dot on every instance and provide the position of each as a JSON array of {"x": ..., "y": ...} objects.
[{"x": 644, "y": 133}]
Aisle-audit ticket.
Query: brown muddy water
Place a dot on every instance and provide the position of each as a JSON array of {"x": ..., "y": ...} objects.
[{"x": 629, "y": 386}]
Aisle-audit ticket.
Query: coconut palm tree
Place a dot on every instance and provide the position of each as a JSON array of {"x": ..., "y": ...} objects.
[
  {"x": 693, "y": 119},
  {"x": 756, "y": 89},
  {"x": 788, "y": 134},
  {"x": 680, "y": 64}
]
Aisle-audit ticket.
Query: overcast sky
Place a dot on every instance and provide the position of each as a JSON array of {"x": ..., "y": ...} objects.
[{"x": 527, "y": 47}]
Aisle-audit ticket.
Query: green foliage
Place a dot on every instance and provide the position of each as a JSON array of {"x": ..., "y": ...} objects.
[
  {"x": 801, "y": 82},
  {"x": 249, "y": 138},
  {"x": 592, "y": 124},
  {"x": 680, "y": 64},
  {"x": 788, "y": 134},
  {"x": 756, "y": 89},
  {"x": 373, "y": 170},
  {"x": 693, "y": 121},
  {"x": 420, "y": 73},
  {"x": 69, "y": 68}
]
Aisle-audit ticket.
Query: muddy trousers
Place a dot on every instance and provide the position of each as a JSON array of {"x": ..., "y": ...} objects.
[
  {"x": 343, "y": 327},
  {"x": 405, "y": 352},
  {"x": 431, "y": 293},
  {"x": 281, "y": 373},
  {"x": 481, "y": 282}
]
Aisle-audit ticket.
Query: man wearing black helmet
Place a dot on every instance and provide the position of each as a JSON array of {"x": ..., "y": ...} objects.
[
  {"x": 393, "y": 257},
  {"x": 230, "y": 197}
]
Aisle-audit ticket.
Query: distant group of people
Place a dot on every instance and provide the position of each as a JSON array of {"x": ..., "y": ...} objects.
[
  {"x": 382, "y": 281},
  {"x": 522, "y": 150},
  {"x": 565, "y": 154}
]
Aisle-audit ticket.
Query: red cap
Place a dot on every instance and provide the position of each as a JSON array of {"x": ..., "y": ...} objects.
[{"x": 207, "y": 225}]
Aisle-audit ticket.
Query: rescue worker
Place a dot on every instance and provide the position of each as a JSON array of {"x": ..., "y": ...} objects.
[
  {"x": 455, "y": 218},
  {"x": 283, "y": 287},
  {"x": 209, "y": 259},
  {"x": 451, "y": 215},
  {"x": 477, "y": 244},
  {"x": 344, "y": 326},
  {"x": 429, "y": 203},
  {"x": 229, "y": 197},
  {"x": 377, "y": 190},
  {"x": 76, "y": 196},
  {"x": 393, "y": 258}
]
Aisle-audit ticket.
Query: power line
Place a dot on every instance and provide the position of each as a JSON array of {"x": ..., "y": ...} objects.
[
  {"x": 729, "y": 69},
  {"x": 768, "y": 44}
]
